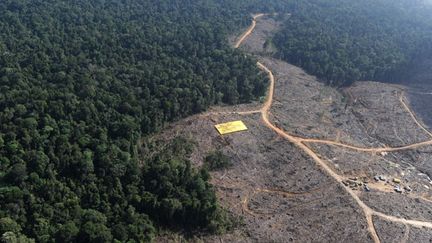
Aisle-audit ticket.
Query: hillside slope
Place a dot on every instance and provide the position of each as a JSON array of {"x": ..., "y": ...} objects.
[{"x": 313, "y": 185}]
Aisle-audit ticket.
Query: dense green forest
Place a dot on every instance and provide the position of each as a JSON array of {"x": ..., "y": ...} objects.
[
  {"x": 341, "y": 41},
  {"x": 80, "y": 83}
]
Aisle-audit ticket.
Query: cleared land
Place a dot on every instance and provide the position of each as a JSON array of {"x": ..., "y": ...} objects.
[{"x": 316, "y": 160}]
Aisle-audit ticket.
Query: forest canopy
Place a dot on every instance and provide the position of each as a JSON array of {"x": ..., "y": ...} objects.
[
  {"x": 81, "y": 82},
  {"x": 343, "y": 41}
]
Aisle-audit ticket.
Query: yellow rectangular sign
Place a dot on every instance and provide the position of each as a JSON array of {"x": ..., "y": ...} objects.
[{"x": 230, "y": 127}]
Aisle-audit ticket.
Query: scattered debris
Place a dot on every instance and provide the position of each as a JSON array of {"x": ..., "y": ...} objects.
[
  {"x": 354, "y": 184},
  {"x": 398, "y": 189},
  {"x": 366, "y": 188}
]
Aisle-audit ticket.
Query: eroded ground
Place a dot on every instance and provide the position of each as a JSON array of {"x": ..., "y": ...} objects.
[{"x": 319, "y": 164}]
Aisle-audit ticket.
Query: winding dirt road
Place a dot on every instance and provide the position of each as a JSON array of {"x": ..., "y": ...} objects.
[
  {"x": 249, "y": 30},
  {"x": 401, "y": 99},
  {"x": 302, "y": 144}
]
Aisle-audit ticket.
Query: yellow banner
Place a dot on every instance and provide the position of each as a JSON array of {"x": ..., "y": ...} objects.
[{"x": 230, "y": 127}]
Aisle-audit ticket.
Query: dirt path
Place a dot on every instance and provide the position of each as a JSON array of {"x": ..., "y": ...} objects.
[
  {"x": 407, "y": 108},
  {"x": 267, "y": 105},
  {"x": 301, "y": 143},
  {"x": 361, "y": 149},
  {"x": 249, "y": 30},
  {"x": 285, "y": 194}
]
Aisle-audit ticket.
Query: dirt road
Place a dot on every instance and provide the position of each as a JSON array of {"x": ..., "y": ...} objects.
[
  {"x": 302, "y": 144},
  {"x": 401, "y": 99},
  {"x": 249, "y": 30}
]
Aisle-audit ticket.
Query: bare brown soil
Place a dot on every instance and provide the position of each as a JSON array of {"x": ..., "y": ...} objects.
[{"x": 289, "y": 181}]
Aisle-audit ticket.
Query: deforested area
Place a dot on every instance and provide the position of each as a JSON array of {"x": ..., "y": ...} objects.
[{"x": 316, "y": 158}]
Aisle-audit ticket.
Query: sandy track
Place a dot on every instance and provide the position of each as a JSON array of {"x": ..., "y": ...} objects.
[
  {"x": 301, "y": 143},
  {"x": 249, "y": 30},
  {"x": 407, "y": 108},
  {"x": 361, "y": 149},
  {"x": 267, "y": 105}
]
